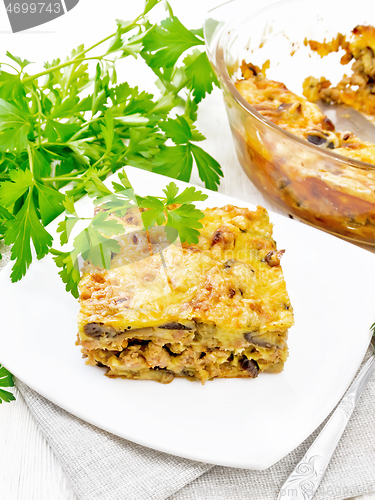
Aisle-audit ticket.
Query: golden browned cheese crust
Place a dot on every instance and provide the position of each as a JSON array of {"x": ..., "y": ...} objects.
[
  {"x": 297, "y": 115},
  {"x": 356, "y": 90},
  {"x": 215, "y": 309},
  {"x": 337, "y": 197}
]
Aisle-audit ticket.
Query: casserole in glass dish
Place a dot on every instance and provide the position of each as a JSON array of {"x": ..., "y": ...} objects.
[{"x": 328, "y": 190}]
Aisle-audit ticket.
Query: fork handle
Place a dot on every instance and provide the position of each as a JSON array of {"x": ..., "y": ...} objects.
[{"x": 306, "y": 477}]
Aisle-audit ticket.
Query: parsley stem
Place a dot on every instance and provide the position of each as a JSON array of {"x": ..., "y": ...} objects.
[
  {"x": 98, "y": 161},
  {"x": 79, "y": 57},
  {"x": 69, "y": 143},
  {"x": 128, "y": 28},
  {"x": 60, "y": 178},
  {"x": 40, "y": 115},
  {"x": 31, "y": 162},
  {"x": 169, "y": 86},
  {"x": 49, "y": 70},
  {"x": 168, "y": 8},
  {"x": 182, "y": 85},
  {"x": 69, "y": 176},
  {"x": 6, "y": 64},
  {"x": 61, "y": 66},
  {"x": 84, "y": 127},
  {"x": 97, "y": 44},
  {"x": 63, "y": 176}
]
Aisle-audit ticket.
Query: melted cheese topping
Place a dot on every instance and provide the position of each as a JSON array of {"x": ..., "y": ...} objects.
[
  {"x": 297, "y": 115},
  {"x": 356, "y": 90},
  {"x": 336, "y": 197},
  {"x": 207, "y": 310},
  {"x": 194, "y": 281}
]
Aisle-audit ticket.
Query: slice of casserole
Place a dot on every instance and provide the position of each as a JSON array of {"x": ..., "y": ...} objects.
[{"x": 219, "y": 308}]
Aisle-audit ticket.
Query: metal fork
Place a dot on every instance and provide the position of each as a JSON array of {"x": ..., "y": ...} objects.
[{"x": 307, "y": 476}]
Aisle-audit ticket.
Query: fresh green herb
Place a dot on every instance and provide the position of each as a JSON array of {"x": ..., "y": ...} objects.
[
  {"x": 65, "y": 129},
  {"x": 6, "y": 380},
  {"x": 372, "y": 328},
  {"x": 183, "y": 134},
  {"x": 163, "y": 45},
  {"x": 182, "y": 220},
  {"x": 94, "y": 243}
]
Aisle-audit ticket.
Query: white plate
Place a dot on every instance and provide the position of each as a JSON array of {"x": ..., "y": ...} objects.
[{"x": 238, "y": 423}]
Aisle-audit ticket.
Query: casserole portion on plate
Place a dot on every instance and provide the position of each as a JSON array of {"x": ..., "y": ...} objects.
[{"x": 218, "y": 308}]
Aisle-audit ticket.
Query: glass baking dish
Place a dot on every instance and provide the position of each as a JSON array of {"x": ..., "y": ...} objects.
[{"x": 317, "y": 185}]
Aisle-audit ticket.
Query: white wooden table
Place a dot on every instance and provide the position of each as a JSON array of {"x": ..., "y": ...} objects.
[{"x": 28, "y": 468}]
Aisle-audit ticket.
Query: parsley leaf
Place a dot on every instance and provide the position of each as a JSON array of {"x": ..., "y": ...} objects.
[
  {"x": 4, "y": 214},
  {"x": 14, "y": 127},
  {"x": 11, "y": 88},
  {"x": 65, "y": 227},
  {"x": 6, "y": 380},
  {"x": 55, "y": 129},
  {"x": 41, "y": 164},
  {"x": 21, "y": 62},
  {"x": 19, "y": 231},
  {"x": 184, "y": 219},
  {"x": 202, "y": 77},
  {"x": 94, "y": 244},
  {"x": 10, "y": 192},
  {"x": 177, "y": 161},
  {"x": 208, "y": 168},
  {"x": 164, "y": 44},
  {"x": 70, "y": 275},
  {"x": 50, "y": 203},
  {"x": 150, "y": 4},
  {"x": 174, "y": 161},
  {"x": 155, "y": 214},
  {"x": 189, "y": 195},
  {"x": 178, "y": 130},
  {"x": 94, "y": 187}
]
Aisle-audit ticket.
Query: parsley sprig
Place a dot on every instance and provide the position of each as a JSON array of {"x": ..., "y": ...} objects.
[
  {"x": 95, "y": 243},
  {"x": 71, "y": 125},
  {"x": 181, "y": 221}
]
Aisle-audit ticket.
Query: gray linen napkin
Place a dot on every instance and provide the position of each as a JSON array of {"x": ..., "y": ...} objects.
[{"x": 101, "y": 465}]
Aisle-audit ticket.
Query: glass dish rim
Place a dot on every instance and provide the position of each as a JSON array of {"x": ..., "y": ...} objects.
[{"x": 215, "y": 56}]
